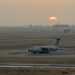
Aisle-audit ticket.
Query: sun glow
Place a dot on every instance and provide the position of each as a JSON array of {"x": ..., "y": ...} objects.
[{"x": 53, "y": 18}]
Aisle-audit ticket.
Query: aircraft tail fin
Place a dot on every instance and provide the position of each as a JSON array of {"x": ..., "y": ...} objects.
[{"x": 57, "y": 41}]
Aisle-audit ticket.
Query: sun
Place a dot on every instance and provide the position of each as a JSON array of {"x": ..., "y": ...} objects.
[{"x": 53, "y": 18}]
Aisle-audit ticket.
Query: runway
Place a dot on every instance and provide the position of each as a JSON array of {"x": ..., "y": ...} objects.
[
  {"x": 24, "y": 53},
  {"x": 38, "y": 65}
]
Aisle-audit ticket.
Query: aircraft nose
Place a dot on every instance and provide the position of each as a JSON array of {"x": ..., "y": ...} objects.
[{"x": 29, "y": 49}]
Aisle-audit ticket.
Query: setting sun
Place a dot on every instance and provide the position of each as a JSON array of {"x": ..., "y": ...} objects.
[{"x": 53, "y": 18}]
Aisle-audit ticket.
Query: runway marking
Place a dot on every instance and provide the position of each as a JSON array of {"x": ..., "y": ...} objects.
[{"x": 38, "y": 65}]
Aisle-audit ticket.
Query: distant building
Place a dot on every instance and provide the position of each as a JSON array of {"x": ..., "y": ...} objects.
[{"x": 60, "y": 26}]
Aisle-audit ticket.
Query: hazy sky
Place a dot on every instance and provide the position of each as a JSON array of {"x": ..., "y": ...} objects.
[{"x": 24, "y": 12}]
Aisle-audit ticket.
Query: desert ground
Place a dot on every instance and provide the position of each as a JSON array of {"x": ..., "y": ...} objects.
[{"x": 36, "y": 71}]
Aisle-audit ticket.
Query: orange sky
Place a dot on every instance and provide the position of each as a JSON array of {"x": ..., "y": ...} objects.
[{"x": 23, "y": 12}]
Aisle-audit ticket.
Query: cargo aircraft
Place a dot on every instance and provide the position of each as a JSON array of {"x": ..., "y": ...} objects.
[{"x": 45, "y": 49}]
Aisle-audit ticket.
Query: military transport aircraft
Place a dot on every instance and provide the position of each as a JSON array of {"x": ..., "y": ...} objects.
[{"x": 45, "y": 49}]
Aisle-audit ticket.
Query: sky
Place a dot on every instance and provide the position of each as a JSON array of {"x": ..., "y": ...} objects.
[{"x": 25, "y": 12}]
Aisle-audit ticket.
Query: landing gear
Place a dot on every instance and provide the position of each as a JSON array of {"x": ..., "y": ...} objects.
[
  {"x": 44, "y": 52},
  {"x": 34, "y": 52},
  {"x": 54, "y": 50}
]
